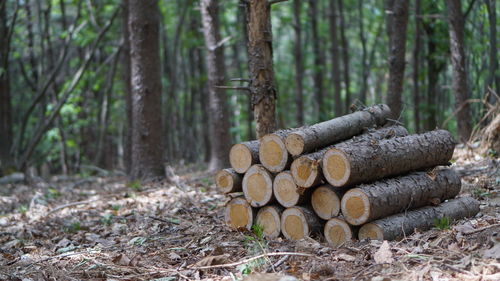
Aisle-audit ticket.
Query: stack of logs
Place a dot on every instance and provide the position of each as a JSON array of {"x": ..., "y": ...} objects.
[{"x": 350, "y": 176}]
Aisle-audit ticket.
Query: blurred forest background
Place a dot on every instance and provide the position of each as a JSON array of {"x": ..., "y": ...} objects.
[{"x": 65, "y": 73}]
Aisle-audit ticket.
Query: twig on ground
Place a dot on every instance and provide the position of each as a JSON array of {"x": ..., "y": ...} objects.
[
  {"x": 481, "y": 229},
  {"x": 69, "y": 205},
  {"x": 251, "y": 259}
]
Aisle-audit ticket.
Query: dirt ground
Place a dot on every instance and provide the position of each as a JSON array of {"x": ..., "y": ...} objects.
[{"x": 105, "y": 228}]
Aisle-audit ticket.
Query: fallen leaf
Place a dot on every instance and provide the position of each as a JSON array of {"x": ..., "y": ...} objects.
[
  {"x": 121, "y": 259},
  {"x": 383, "y": 254},
  {"x": 345, "y": 257},
  {"x": 174, "y": 256},
  {"x": 212, "y": 260}
]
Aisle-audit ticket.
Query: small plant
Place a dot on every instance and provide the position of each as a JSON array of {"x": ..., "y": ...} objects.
[
  {"x": 23, "y": 209},
  {"x": 480, "y": 193},
  {"x": 52, "y": 193},
  {"x": 116, "y": 207},
  {"x": 135, "y": 185},
  {"x": 107, "y": 219},
  {"x": 73, "y": 227},
  {"x": 442, "y": 223},
  {"x": 258, "y": 230}
]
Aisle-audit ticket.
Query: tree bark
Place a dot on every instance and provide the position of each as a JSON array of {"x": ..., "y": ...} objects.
[
  {"x": 318, "y": 66},
  {"x": 319, "y": 135},
  {"x": 345, "y": 56},
  {"x": 335, "y": 60},
  {"x": 364, "y": 66},
  {"x": 128, "y": 88},
  {"x": 351, "y": 165},
  {"x": 147, "y": 146},
  {"x": 260, "y": 62},
  {"x": 219, "y": 116},
  {"x": 493, "y": 80},
  {"x": 416, "y": 67},
  {"x": 424, "y": 218},
  {"x": 306, "y": 169},
  {"x": 457, "y": 48},
  {"x": 299, "y": 66},
  {"x": 397, "y": 56},
  {"x": 380, "y": 199}
]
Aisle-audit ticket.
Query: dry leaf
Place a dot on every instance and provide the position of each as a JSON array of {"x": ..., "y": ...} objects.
[
  {"x": 383, "y": 254},
  {"x": 174, "y": 256},
  {"x": 345, "y": 257},
  {"x": 121, "y": 259},
  {"x": 212, "y": 260}
]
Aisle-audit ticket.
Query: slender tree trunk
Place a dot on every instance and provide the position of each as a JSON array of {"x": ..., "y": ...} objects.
[
  {"x": 416, "y": 67},
  {"x": 204, "y": 107},
  {"x": 318, "y": 66},
  {"x": 299, "y": 65},
  {"x": 147, "y": 146},
  {"x": 260, "y": 58},
  {"x": 219, "y": 117},
  {"x": 364, "y": 67},
  {"x": 457, "y": 48},
  {"x": 128, "y": 90},
  {"x": 345, "y": 56},
  {"x": 397, "y": 56},
  {"x": 493, "y": 80},
  {"x": 337, "y": 88}
]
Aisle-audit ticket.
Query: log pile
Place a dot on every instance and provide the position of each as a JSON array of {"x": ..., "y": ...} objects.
[{"x": 355, "y": 176}]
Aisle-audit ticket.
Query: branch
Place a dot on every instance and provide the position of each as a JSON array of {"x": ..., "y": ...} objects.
[
  {"x": 240, "y": 80},
  {"x": 271, "y": 2},
  {"x": 251, "y": 259},
  {"x": 219, "y": 44},
  {"x": 233, "y": 88}
]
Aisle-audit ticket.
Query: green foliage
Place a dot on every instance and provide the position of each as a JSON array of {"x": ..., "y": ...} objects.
[
  {"x": 23, "y": 209},
  {"x": 73, "y": 227},
  {"x": 135, "y": 185},
  {"x": 115, "y": 207},
  {"x": 443, "y": 223},
  {"x": 107, "y": 219},
  {"x": 52, "y": 193}
]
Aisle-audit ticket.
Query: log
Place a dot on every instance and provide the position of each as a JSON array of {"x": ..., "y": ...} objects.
[
  {"x": 319, "y": 135},
  {"x": 306, "y": 170},
  {"x": 398, "y": 225},
  {"x": 380, "y": 199},
  {"x": 325, "y": 201},
  {"x": 337, "y": 232},
  {"x": 287, "y": 193},
  {"x": 227, "y": 180},
  {"x": 243, "y": 155},
  {"x": 239, "y": 214},
  {"x": 272, "y": 151},
  {"x": 350, "y": 165},
  {"x": 258, "y": 186},
  {"x": 269, "y": 218},
  {"x": 298, "y": 222}
]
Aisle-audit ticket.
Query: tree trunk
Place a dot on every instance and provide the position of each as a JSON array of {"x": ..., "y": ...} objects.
[
  {"x": 337, "y": 232},
  {"x": 147, "y": 146},
  {"x": 299, "y": 66},
  {"x": 269, "y": 218},
  {"x": 318, "y": 66},
  {"x": 319, "y": 135},
  {"x": 299, "y": 222},
  {"x": 6, "y": 132},
  {"x": 364, "y": 66},
  {"x": 227, "y": 181},
  {"x": 203, "y": 108},
  {"x": 239, "y": 214},
  {"x": 416, "y": 68},
  {"x": 351, "y": 165},
  {"x": 397, "y": 56},
  {"x": 457, "y": 48},
  {"x": 306, "y": 169},
  {"x": 493, "y": 80},
  {"x": 219, "y": 117},
  {"x": 287, "y": 193},
  {"x": 424, "y": 218},
  {"x": 128, "y": 88},
  {"x": 258, "y": 186},
  {"x": 260, "y": 62},
  {"x": 243, "y": 155},
  {"x": 325, "y": 201},
  {"x": 335, "y": 58},
  {"x": 380, "y": 199},
  {"x": 345, "y": 56}
]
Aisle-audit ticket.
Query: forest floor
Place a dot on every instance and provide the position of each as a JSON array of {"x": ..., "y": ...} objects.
[{"x": 105, "y": 228}]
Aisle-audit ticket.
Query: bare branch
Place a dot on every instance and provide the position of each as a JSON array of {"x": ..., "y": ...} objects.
[
  {"x": 271, "y": 2},
  {"x": 233, "y": 88},
  {"x": 240, "y": 80}
]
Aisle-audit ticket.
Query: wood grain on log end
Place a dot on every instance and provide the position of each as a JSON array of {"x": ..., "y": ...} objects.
[
  {"x": 325, "y": 202},
  {"x": 336, "y": 167},
  {"x": 258, "y": 186},
  {"x": 272, "y": 153},
  {"x": 297, "y": 222},
  {"x": 295, "y": 144},
  {"x": 242, "y": 157},
  {"x": 355, "y": 206},
  {"x": 227, "y": 180},
  {"x": 337, "y": 232},
  {"x": 285, "y": 190},
  {"x": 370, "y": 231},
  {"x": 305, "y": 171},
  {"x": 239, "y": 214},
  {"x": 269, "y": 218}
]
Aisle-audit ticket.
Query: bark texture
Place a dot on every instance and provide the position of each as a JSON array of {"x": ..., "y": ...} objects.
[
  {"x": 335, "y": 59},
  {"x": 219, "y": 117},
  {"x": 127, "y": 154},
  {"x": 6, "y": 133},
  {"x": 319, "y": 60},
  {"x": 228, "y": 180},
  {"x": 260, "y": 56},
  {"x": 147, "y": 146},
  {"x": 395, "y": 195},
  {"x": 322, "y": 134},
  {"x": 397, "y": 55},
  {"x": 424, "y": 218},
  {"x": 299, "y": 65},
  {"x": 243, "y": 155},
  {"x": 416, "y": 67},
  {"x": 456, "y": 29},
  {"x": 365, "y": 163}
]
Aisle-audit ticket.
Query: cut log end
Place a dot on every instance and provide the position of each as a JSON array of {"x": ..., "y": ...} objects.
[
  {"x": 325, "y": 202},
  {"x": 337, "y": 232},
  {"x": 285, "y": 190},
  {"x": 269, "y": 218},
  {"x": 240, "y": 158},
  {"x": 336, "y": 167},
  {"x": 239, "y": 214},
  {"x": 227, "y": 181},
  {"x": 294, "y": 224},
  {"x": 305, "y": 171},
  {"x": 355, "y": 206},
  {"x": 272, "y": 153},
  {"x": 295, "y": 144},
  {"x": 370, "y": 231},
  {"x": 258, "y": 186}
]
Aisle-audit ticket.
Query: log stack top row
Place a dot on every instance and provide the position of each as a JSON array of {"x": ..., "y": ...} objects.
[{"x": 344, "y": 176}]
